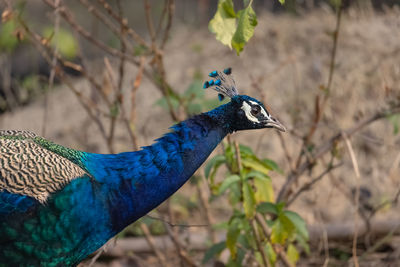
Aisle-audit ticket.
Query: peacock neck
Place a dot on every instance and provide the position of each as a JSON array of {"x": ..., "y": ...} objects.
[{"x": 137, "y": 182}]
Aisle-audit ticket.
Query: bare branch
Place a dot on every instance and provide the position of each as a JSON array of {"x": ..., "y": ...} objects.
[
  {"x": 327, "y": 146},
  {"x": 64, "y": 12}
]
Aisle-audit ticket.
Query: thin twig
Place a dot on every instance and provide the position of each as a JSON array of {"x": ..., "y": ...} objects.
[
  {"x": 206, "y": 208},
  {"x": 98, "y": 254},
  {"x": 238, "y": 158},
  {"x": 356, "y": 197},
  {"x": 149, "y": 238},
  {"x": 124, "y": 22},
  {"x": 149, "y": 22},
  {"x": 327, "y": 146},
  {"x": 258, "y": 243},
  {"x": 171, "y": 9},
  {"x": 308, "y": 185},
  {"x": 285, "y": 150},
  {"x": 86, "y": 103},
  {"x": 64, "y": 12},
  {"x": 180, "y": 247},
  {"x": 321, "y": 105},
  {"x": 163, "y": 13},
  {"x": 106, "y": 21},
  {"x": 175, "y": 224},
  {"x": 53, "y": 67},
  {"x": 111, "y": 106}
]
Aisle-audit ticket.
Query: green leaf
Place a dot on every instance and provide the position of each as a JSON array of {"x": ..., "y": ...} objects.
[
  {"x": 162, "y": 102},
  {"x": 298, "y": 223},
  {"x": 278, "y": 233},
  {"x": 114, "y": 110},
  {"x": 8, "y": 41},
  {"x": 293, "y": 254},
  {"x": 282, "y": 2},
  {"x": 270, "y": 253},
  {"x": 195, "y": 89},
  {"x": 281, "y": 230},
  {"x": 213, "y": 251},
  {"x": 63, "y": 40},
  {"x": 272, "y": 165},
  {"x": 235, "y": 194},
  {"x": 224, "y": 22},
  {"x": 256, "y": 174},
  {"x": 280, "y": 206},
  {"x": 228, "y": 182},
  {"x": 245, "y": 151},
  {"x": 249, "y": 201},
  {"x": 231, "y": 237},
  {"x": 245, "y": 29},
  {"x": 395, "y": 120},
  {"x": 139, "y": 50},
  {"x": 212, "y": 163},
  {"x": 267, "y": 207},
  {"x": 303, "y": 243}
]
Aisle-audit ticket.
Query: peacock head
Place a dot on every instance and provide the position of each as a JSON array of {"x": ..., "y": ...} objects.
[{"x": 244, "y": 111}]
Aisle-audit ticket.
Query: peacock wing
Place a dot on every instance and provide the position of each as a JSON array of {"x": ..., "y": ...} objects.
[{"x": 33, "y": 167}]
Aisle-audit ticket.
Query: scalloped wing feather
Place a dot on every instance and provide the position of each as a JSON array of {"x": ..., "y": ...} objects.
[{"x": 28, "y": 169}]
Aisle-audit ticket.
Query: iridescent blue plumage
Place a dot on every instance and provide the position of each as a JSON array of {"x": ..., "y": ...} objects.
[{"x": 101, "y": 194}]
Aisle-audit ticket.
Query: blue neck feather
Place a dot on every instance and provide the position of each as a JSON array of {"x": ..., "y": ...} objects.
[{"x": 137, "y": 182}]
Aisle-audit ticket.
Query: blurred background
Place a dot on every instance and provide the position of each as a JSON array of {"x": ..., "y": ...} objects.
[{"x": 112, "y": 76}]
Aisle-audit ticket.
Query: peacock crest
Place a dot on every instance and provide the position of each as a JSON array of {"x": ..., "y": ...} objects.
[{"x": 223, "y": 83}]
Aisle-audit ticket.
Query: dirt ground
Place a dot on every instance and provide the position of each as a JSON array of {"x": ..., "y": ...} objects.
[{"x": 289, "y": 59}]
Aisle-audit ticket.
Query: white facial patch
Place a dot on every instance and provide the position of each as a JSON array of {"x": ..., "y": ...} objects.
[
  {"x": 262, "y": 109},
  {"x": 247, "y": 110}
]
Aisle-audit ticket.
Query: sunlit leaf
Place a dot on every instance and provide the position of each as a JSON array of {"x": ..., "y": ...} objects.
[
  {"x": 293, "y": 254},
  {"x": 282, "y": 229},
  {"x": 231, "y": 238},
  {"x": 255, "y": 164},
  {"x": 249, "y": 201},
  {"x": 278, "y": 233},
  {"x": 264, "y": 190},
  {"x": 224, "y": 22},
  {"x": 245, "y": 28}
]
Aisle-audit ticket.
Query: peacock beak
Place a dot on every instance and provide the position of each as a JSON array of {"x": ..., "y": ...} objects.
[{"x": 271, "y": 122}]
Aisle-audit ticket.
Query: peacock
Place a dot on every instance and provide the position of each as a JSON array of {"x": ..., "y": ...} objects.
[{"x": 58, "y": 205}]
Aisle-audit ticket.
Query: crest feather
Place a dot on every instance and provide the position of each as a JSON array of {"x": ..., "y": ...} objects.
[{"x": 223, "y": 83}]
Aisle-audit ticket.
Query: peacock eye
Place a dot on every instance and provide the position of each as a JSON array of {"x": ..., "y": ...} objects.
[{"x": 255, "y": 110}]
